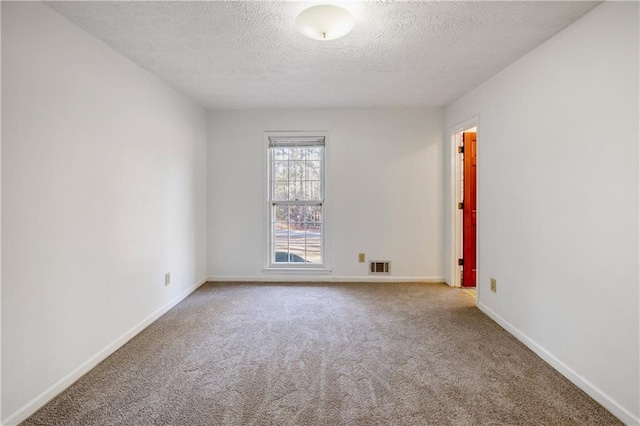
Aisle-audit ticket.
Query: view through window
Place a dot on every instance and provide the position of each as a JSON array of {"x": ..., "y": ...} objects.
[{"x": 296, "y": 198}]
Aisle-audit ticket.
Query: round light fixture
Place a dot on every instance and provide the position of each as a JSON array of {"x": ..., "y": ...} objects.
[{"x": 324, "y": 22}]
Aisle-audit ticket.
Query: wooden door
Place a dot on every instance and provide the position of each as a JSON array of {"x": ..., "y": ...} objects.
[{"x": 469, "y": 211}]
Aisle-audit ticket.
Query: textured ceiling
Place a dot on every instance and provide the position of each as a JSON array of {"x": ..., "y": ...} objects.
[{"x": 247, "y": 55}]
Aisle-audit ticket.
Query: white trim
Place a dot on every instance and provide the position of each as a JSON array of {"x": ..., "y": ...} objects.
[
  {"x": 295, "y": 270},
  {"x": 321, "y": 278},
  {"x": 589, "y": 388},
  {"x": 39, "y": 401},
  {"x": 456, "y": 196}
]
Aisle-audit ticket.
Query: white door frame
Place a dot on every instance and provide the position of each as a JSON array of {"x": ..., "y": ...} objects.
[{"x": 456, "y": 196}]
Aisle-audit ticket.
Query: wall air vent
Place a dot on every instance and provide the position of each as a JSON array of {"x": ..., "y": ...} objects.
[{"x": 380, "y": 267}]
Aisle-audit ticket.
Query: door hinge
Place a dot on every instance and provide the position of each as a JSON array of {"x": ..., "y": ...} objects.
[
  {"x": 460, "y": 206},
  {"x": 460, "y": 262},
  {"x": 461, "y": 149}
]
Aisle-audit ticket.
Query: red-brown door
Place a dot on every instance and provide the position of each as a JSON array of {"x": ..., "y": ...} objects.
[{"x": 469, "y": 211}]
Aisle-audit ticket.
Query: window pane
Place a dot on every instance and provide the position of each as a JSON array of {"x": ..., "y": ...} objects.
[
  {"x": 281, "y": 191},
  {"x": 313, "y": 235},
  {"x": 313, "y": 170},
  {"x": 296, "y": 153},
  {"x": 280, "y": 213},
  {"x": 295, "y": 190},
  {"x": 289, "y": 241},
  {"x": 313, "y": 254},
  {"x": 296, "y": 214},
  {"x": 280, "y": 154},
  {"x": 280, "y": 228},
  {"x": 315, "y": 192},
  {"x": 315, "y": 214},
  {"x": 281, "y": 239},
  {"x": 280, "y": 171},
  {"x": 314, "y": 153},
  {"x": 282, "y": 246}
]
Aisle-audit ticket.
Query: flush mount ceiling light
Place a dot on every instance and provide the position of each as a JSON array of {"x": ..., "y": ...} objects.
[{"x": 325, "y": 22}]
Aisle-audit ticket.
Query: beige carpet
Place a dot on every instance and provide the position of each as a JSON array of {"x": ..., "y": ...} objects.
[{"x": 323, "y": 354}]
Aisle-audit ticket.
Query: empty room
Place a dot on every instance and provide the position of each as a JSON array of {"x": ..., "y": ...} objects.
[{"x": 320, "y": 213}]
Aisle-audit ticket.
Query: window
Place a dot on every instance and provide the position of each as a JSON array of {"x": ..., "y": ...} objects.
[{"x": 296, "y": 201}]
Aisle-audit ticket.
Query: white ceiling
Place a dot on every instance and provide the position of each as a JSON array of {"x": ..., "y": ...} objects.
[{"x": 248, "y": 55}]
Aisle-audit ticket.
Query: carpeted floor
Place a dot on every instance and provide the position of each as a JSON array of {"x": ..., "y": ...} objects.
[{"x": 323, "y": 354}]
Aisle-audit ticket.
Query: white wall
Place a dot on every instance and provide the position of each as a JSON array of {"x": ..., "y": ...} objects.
[
  {"x": 384, "y": 191},
  {"x": 103, "y": 186},
  {"x": 0, "y": 235},
  {"x": 558, "y": 201},
  {"x": 0, "y": 230}
]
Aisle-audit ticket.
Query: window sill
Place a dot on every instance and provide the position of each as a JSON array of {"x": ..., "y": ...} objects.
[{"x": 297, "y": 270}]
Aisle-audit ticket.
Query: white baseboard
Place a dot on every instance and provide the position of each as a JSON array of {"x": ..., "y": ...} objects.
[
  {"x": 46, "y": 396},
  {"x": 451, "y": 285},
  {"x": 589, "y": 388},
  {"x": 323, "y": 278}
]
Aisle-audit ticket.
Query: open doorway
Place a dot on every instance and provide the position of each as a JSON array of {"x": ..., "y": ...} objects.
[
  {"x": 464, "y": 212},
  {"x": 468, "y": 206}
]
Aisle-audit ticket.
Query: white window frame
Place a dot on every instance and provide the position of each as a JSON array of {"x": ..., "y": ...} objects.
[{"x": 270, "y": 264}]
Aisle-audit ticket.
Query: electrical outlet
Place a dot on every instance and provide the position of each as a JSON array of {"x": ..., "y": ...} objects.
[
  {"x": 361, "y": 257},
  {"x": 167, "y": 278},
  {"x": 494, "y": 285}
]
